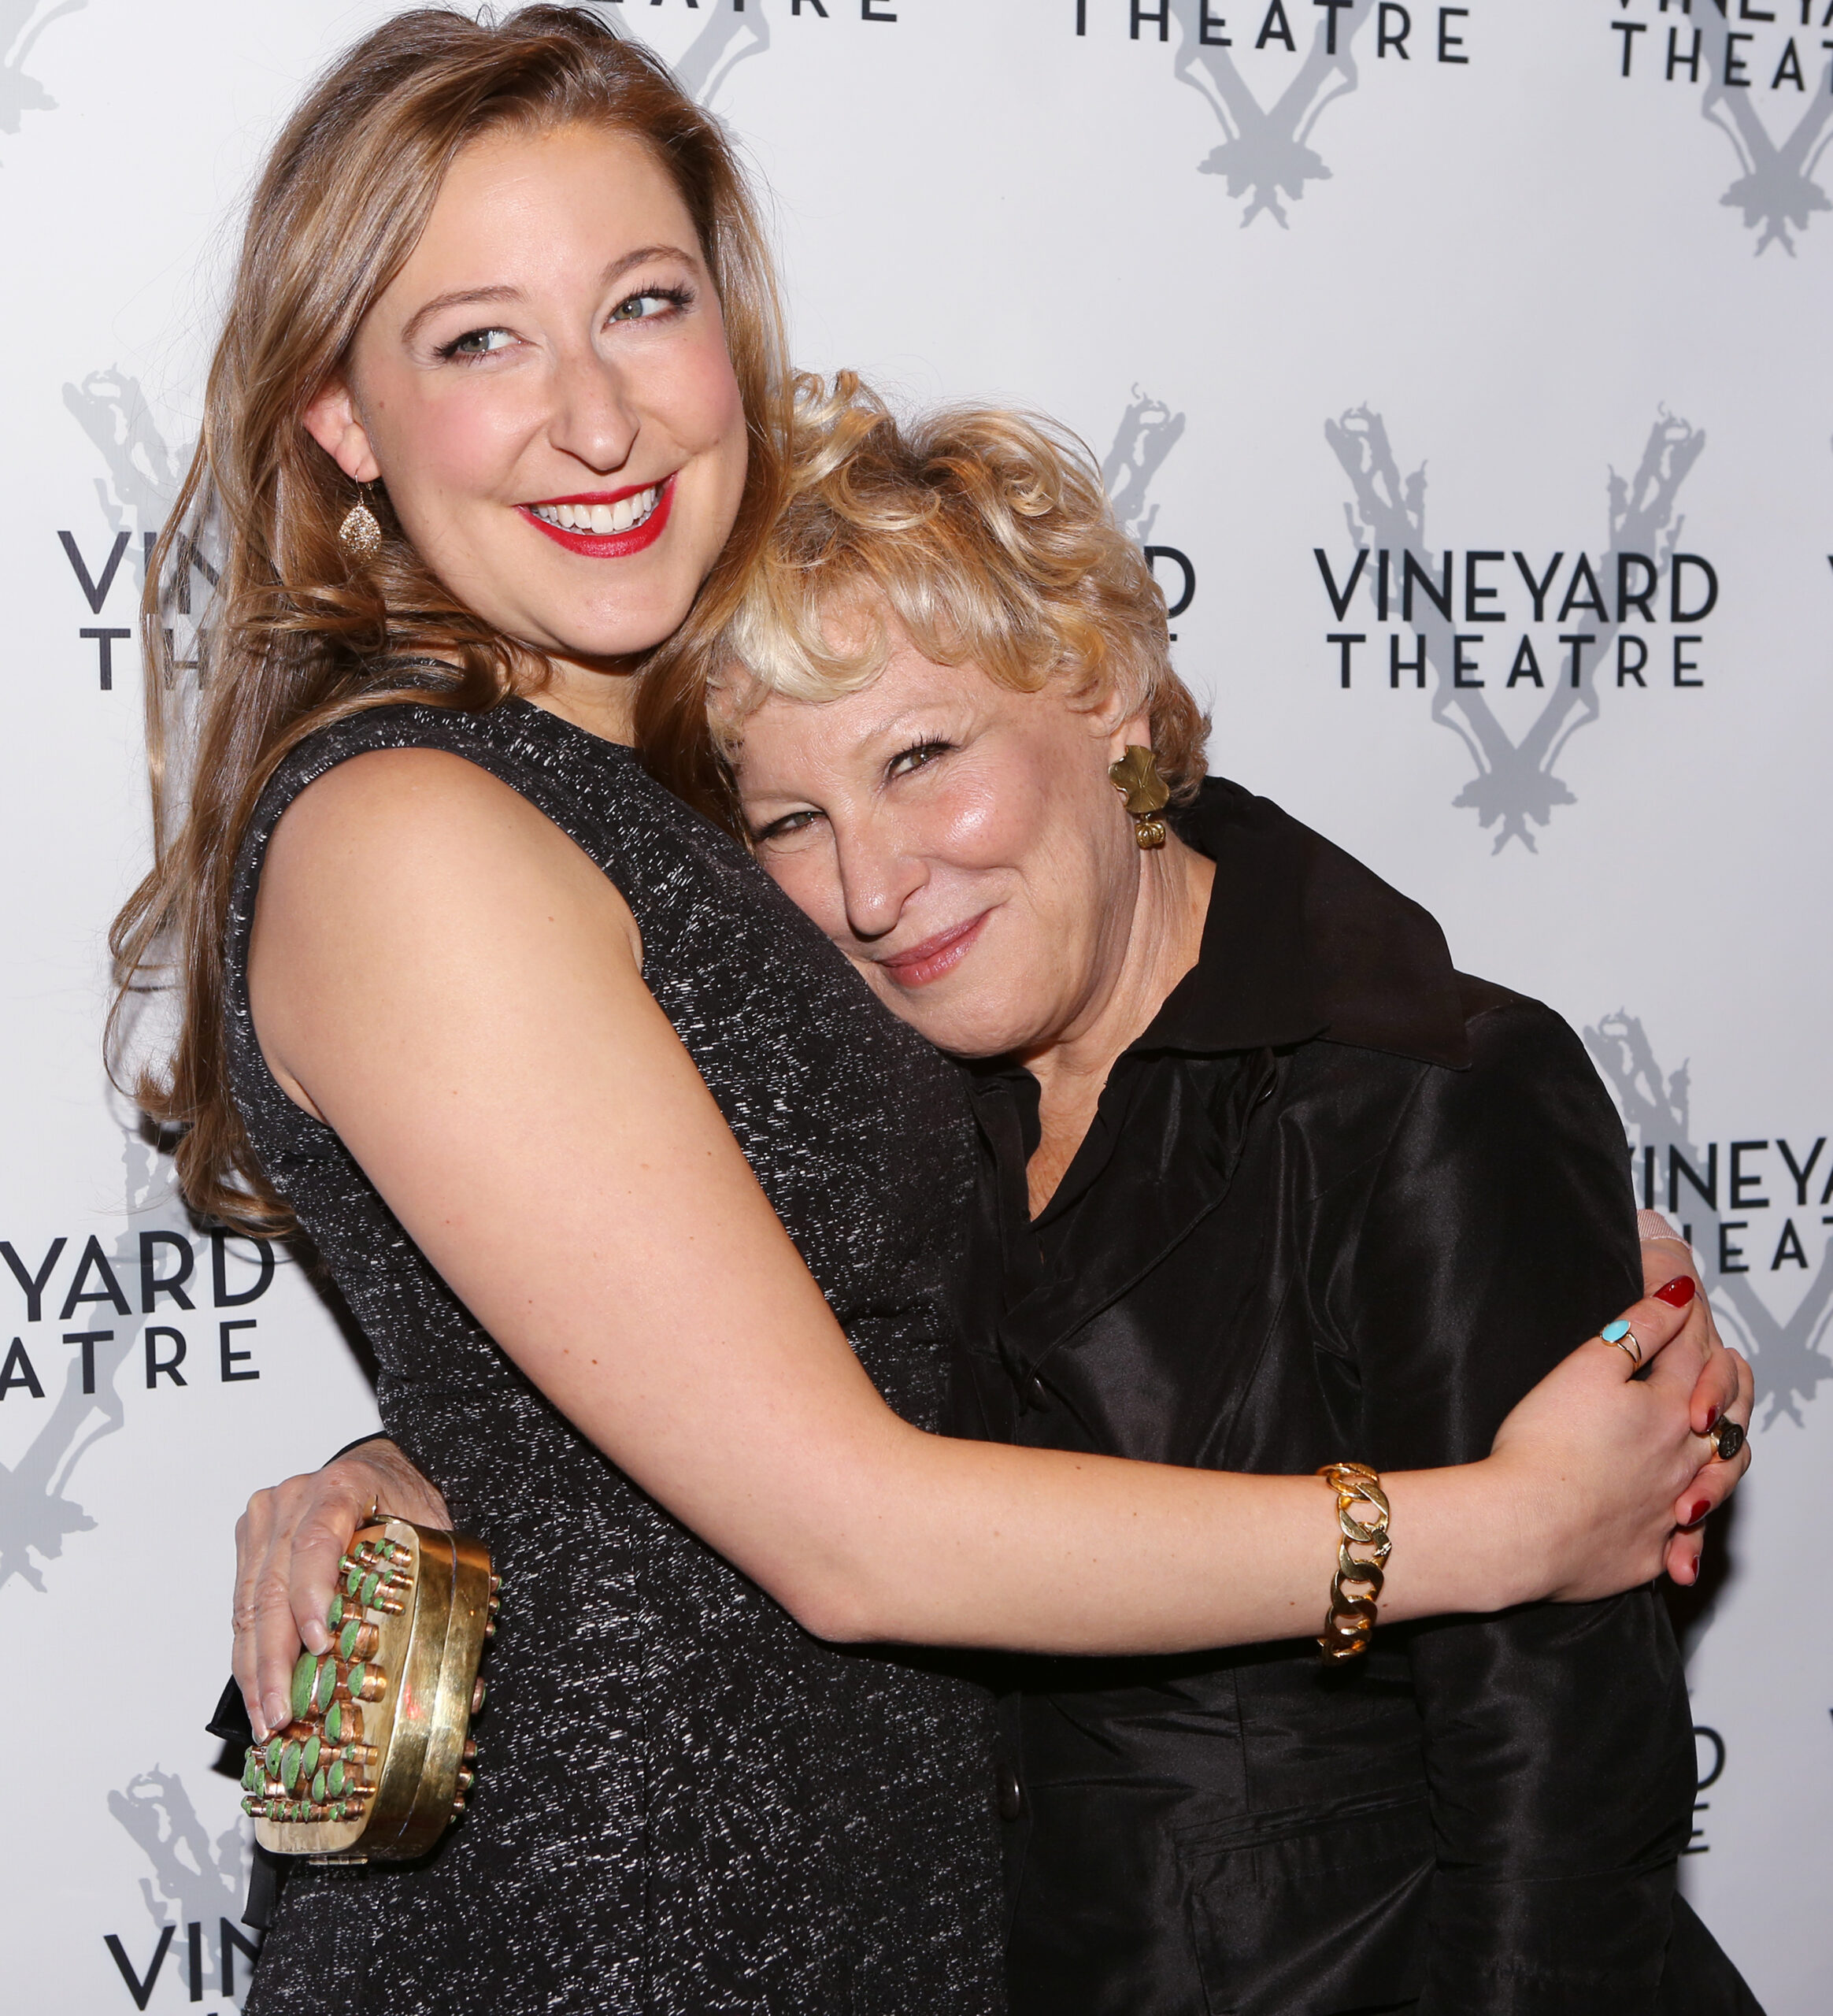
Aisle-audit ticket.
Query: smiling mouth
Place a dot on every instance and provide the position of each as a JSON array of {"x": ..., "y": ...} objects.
[
  {"x": 936, "y": 957},
  {"x": 605, "y": 524}
]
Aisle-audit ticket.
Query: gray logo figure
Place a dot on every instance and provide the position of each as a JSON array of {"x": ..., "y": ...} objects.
[
  {"x": 1268, "y": 154},
  {"x": 1516, "y": 784},
  {"x": 21, "y": 23},
  {"x": 202, "y": 1879},
  {"x": 1148, "y": 431},
  {"x": 719, "y": 49},
  {"x": 37, "y": 1514},
  {"x": 1777, "y": 192},
  {"x": 143, "y": 473},
  {"x": 1785, "y": 1355}
]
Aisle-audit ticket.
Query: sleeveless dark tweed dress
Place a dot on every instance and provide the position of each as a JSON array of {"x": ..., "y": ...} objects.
[{"x": 685, "y": 1805}]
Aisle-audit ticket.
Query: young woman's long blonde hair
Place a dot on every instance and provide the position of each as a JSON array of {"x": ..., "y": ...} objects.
[{"x": 297, "y": 636}]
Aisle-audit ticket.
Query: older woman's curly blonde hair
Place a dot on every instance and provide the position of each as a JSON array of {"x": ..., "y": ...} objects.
[{"x": 983, "y": 536}]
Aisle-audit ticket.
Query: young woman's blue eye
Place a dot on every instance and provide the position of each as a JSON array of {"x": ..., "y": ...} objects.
[
  {"x": 652, "y": 302},
  {"x": 477, "y": 342}
]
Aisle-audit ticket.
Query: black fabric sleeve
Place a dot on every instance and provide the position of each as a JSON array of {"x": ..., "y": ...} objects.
[
  {"x": 1499, "y": 1232},
  {"x": 375, "y": 1435}
]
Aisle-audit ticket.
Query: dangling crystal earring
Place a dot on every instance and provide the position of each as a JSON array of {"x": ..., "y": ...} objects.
[
  {"x": 360, "y": 533},
  {"x": 1136, "y": 778}
]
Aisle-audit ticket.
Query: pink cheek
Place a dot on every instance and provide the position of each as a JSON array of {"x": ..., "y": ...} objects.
[
  {"x": 702, "y": 398},
  {"x": 460, "y": 453},
  {"x": 984, "y": 827}
]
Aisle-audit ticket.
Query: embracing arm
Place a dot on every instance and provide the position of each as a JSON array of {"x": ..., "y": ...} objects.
[
  {"x": 452, "y": 985},
  {"x": 1558, "y": 1747}
]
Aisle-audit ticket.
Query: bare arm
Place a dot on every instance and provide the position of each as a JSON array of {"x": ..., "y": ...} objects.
[{"x": 453, "y": 986}]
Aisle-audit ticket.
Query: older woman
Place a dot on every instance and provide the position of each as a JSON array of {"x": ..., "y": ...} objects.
[
  {"x": 1247, "y": 1135},
  {"x": 1266, "y": 1183},
  {"x": 647, "y": 1207}
]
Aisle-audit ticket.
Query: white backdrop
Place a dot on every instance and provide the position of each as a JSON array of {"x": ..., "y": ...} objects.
[{"x": 1520, "y": 288}]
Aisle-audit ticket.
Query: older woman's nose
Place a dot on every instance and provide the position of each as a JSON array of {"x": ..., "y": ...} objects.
[{"x": 877, "y": 878}]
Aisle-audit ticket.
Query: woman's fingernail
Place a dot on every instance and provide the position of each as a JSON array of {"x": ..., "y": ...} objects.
[
  {"x": 274, "y": 1707},
  {"x": 1712, "y": 1415},
  {"x": 1700, "y": 1507},
  {"x": 1678, "y": 1292}
]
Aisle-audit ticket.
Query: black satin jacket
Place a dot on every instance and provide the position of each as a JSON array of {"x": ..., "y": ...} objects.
[{"x": 1339, "y": 1201}]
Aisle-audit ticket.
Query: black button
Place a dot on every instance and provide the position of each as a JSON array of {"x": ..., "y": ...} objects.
[
  {"x": 1009, "y": 1791},
  {"x": 1036, "y": 1393}
]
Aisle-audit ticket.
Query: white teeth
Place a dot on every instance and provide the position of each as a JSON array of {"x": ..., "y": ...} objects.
[{"x": 622, "y": 517}]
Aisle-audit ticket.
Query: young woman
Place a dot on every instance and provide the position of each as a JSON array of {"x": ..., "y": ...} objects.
[
  {"x": 647, "y": 1207},
  {"x": 1242, "y": 1130}
]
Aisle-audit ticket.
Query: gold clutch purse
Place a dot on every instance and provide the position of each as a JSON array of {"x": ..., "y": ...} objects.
[{"x": 378, "y": 1756}]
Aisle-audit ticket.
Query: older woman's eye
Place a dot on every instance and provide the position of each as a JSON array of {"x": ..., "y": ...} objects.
[
  {"x": 785, "y": 828},
  {"x": 477, "y": 342},
  {"x": 916, "y": 757}
]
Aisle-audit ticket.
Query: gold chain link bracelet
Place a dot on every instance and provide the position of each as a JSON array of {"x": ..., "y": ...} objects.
[{"x": 1351, "y": 1622}]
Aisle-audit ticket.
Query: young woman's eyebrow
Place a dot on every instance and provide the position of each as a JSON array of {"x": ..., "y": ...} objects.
[{"x": 466, "y": 297}]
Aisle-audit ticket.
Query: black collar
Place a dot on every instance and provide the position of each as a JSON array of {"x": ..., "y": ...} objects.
[{"x": 1302, "y": 942}]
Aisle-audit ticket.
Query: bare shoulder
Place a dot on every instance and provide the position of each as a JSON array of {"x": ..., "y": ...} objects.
[
  {"x": 412, "y": 829},
  {"x": 389, "y": 806},
  {"x": 410, "y": 886}
]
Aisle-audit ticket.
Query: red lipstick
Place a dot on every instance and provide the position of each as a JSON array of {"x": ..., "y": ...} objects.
[
  {"x": 935, "y": 957},
  {"x": 606, "y": 545}
]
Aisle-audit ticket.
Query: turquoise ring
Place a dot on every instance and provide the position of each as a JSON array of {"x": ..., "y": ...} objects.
[{"x": 1620, "y": 1334}]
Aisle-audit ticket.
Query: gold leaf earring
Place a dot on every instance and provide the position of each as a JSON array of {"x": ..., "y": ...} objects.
[
  {"x": 360, "y": 533},
  {"x": 1136, "y": 778}
]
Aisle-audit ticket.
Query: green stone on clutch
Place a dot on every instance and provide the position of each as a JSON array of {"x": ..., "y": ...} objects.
[{"x": 303, "y": 1674}]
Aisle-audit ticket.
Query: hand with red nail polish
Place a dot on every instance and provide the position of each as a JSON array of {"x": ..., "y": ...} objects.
[
  {"x": 1646, "y": 1474},
  {"x": 1716, "y": 1387}
]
